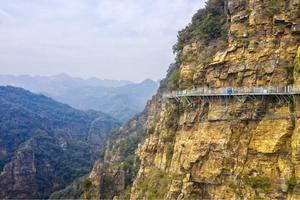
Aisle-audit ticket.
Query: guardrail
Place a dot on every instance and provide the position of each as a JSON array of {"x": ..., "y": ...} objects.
[{"x": 235, "y": 91}]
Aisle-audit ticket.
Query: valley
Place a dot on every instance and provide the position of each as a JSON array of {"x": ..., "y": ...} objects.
[
  {"x": 214, "y": 128},
  {"x": 119, "y": 99},
  {"x": 45, "y": 145}
]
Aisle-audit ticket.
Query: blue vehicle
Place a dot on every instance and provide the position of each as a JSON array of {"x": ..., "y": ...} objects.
[{"x": 229, "y": 91}]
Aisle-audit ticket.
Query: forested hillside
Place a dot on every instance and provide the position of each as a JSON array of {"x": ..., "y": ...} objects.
[{"x": 44, "y": 145}]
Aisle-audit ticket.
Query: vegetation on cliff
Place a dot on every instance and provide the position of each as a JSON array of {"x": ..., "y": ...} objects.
[{"x": 208, "y": 26}]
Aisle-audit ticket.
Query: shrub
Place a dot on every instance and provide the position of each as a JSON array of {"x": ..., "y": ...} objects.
[
  {"x": 127, "y": 193},
  {"x": 155, "y": 185},
  {"x": 283, "y": 150},
  {"x": 132, "y": 165},
  {"x": 87, "y": 184},
  {"x": 169, "y": 150},
  {"x": 292, "y": 182},
  {"x": 296, "y": 64},
  {"x": 127, "y": 146},
  {"x": 257, "y": 182},
  {"x": 167, "y": 138},
  {"x": 290, "y": 65},
  {"x": 272, "y": 8},
  {"x": 236, "y": 189},
  {"x": 171, "y": 118},
  {"x": 156, "y": 119},
  {"x": 173, "y": 81},
  {"x": 151, "y": 130}
]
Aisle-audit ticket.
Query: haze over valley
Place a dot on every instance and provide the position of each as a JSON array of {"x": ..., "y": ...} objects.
[{"x": 119, "y": 98}]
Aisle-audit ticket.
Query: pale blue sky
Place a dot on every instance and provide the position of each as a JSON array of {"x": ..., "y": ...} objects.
[{"x": 113, "y": 39}]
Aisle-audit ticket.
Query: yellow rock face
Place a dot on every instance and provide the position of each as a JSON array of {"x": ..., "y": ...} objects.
[
  {"x": 270, "y": 135},
  {"x": 239, "y": 148},
  {"x": 266, "y": 138},
  {"x": 186, "y": 75}
]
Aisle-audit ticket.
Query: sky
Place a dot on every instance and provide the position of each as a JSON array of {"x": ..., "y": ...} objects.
[{"x": 107, "y": 39}]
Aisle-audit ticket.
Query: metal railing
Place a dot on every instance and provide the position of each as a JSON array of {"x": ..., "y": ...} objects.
[{"x": 235, "y": 91}]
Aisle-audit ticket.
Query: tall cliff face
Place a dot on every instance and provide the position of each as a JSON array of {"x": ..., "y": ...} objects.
[
  {"x": 241, "y": 148},
  {"x": 113, "y": 174},
  {"x": 230, "y": 148}
]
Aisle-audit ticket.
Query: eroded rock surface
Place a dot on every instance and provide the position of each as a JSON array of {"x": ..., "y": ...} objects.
[{"x": 245, "y": 148}]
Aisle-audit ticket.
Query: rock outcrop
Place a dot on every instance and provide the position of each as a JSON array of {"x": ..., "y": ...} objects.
[
  {"x": 242, "y": 148},
  {"x": 114, "y": 175}
]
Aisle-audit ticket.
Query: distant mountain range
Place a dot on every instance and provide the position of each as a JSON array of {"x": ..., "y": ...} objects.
[
  {"x": 120, "y": 99},
  {"x": 45, "y": 145}
]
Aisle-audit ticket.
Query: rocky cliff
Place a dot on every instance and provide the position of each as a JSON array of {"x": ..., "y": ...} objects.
[{"x": 241, "y": 148}]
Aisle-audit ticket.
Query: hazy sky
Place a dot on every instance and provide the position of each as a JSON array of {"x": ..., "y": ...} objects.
[{"x": 113, "y": 39}]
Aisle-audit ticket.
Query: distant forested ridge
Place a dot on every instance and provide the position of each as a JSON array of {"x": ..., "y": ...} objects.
[
  {"x": 45, "y": 145},
  {"x": 120, "y": 99}
]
